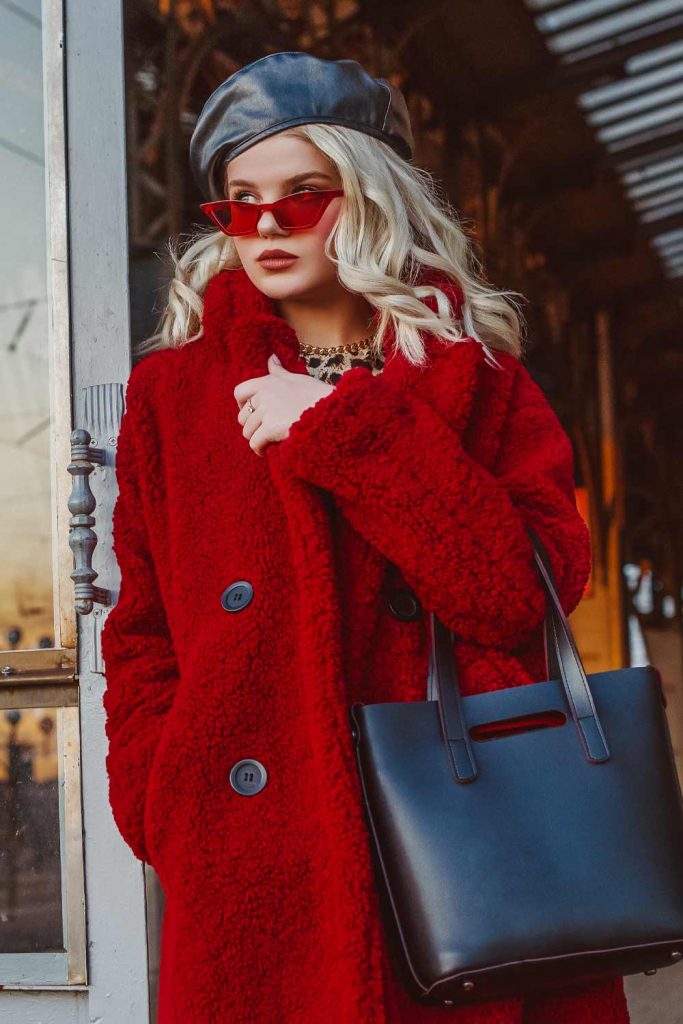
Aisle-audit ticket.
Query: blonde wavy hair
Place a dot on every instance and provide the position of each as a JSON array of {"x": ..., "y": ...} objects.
[{"x": 395, "y": 222}]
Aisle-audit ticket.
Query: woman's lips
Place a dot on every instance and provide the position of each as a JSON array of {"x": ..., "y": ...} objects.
[{"x": 278, "y": 262}]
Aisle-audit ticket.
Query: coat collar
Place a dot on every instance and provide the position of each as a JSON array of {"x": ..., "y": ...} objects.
[{"x": 242, "y": 328}]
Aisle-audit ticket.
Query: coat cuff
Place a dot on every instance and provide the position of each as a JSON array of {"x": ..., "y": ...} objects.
[
  {"x": 401, "y": 475},
  {"x": 362, "y": 417}
]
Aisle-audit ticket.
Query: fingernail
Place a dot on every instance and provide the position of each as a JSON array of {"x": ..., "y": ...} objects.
[{"x": 276, "y": 358}]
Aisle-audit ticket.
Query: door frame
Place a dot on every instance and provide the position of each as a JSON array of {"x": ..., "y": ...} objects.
[{"x": 106, "y": 956}]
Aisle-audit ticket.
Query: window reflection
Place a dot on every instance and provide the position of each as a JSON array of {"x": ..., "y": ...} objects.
[
  {"x": 30, "y": 866},
  {"x": 26, "y": 592}
]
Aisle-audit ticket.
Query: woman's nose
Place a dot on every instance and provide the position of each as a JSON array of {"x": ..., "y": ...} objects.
[{"x": 267, "y": 225}]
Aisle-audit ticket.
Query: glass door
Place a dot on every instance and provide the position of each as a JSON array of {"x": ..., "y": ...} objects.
[{"x": 42, "y": 906}]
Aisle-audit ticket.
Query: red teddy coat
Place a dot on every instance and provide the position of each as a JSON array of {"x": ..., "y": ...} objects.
[{"x": 418, "y": 478}]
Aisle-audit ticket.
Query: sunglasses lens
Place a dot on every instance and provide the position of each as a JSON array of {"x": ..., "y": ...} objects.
[
  {"x": 234, "y": 218},
  {"x": 302, "y": 210},
  {"x": 242, "y": 217}
]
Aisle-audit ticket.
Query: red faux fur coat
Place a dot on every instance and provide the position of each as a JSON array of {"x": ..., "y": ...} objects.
[{"x": 417, "y": 479}]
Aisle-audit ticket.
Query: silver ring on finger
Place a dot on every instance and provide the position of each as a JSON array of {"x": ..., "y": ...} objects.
[{"x": 250, "y": 407}]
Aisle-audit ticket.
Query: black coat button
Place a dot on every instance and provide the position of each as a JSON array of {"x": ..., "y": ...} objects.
[
  {"x": 237, "y": 596},
  {"x": 404, "y": 605},
  {"x": 248, "y": 776}
]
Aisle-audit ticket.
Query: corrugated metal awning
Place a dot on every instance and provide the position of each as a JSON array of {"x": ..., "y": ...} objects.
[{"x": 634, "y": 104}]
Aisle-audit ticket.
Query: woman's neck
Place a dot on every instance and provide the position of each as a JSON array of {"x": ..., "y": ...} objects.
[{"x": 330, "y": 320}]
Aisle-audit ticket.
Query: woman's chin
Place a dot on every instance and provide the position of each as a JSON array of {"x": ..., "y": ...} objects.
[
  {"x": 283, "y": 284},
  {"x": 296, "y": 282}
]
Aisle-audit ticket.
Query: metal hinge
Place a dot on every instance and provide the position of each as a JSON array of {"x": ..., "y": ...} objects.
[{"x": 41, "y": 678}]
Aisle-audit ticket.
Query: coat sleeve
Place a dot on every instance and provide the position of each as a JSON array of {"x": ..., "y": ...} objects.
[
  {"x": 140, "y": 663},
  {"x": 457, "y": 531}
]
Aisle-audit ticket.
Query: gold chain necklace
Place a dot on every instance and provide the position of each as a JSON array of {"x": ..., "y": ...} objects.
[{"x": 320, "y": 350}]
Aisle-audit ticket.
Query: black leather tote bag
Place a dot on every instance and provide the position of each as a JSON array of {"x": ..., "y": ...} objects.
[{"x": 525, "y": 839}]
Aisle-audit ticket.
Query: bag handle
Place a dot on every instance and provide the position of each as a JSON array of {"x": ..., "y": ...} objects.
[{"x": 562, "y": 661}]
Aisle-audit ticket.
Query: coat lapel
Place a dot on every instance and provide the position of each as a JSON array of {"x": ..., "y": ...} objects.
[{"x": 242, "y": 328}]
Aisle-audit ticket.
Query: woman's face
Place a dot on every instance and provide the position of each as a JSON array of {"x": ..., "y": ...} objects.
[{"x": 276, "y": 167}]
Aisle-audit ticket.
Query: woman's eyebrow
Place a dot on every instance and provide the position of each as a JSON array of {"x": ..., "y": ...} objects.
[{"x": 290, "y": 181}]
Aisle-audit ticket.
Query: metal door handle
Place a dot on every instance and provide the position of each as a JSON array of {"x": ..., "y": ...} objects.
[{"x": 82, "y": 538}]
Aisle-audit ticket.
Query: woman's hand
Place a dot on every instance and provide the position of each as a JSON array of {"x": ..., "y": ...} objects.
[{"x": 278, "y": 399}]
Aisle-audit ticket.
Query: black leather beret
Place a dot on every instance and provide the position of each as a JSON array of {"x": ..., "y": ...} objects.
[{"x": 289, "y": 88}]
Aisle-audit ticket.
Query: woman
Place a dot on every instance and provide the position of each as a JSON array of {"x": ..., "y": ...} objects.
[{"x": 286, "y": 519}]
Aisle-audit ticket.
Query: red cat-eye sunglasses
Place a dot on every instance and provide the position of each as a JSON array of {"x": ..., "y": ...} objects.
[{"x": 298, "y": 210}]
